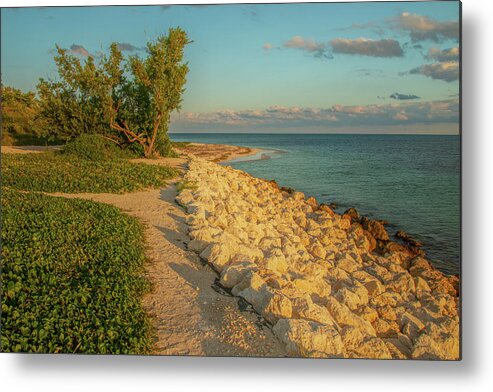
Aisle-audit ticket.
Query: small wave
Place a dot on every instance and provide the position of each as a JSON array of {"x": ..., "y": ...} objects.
[{"x": 259, "y": 156}]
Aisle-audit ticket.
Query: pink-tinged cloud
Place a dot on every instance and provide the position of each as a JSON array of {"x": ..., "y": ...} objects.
[
  {"x": 423, "y": 28},
  {"x": 447, "y": 71},
  {"x": 317, "y": 49},
  {"x": 446, "y": 111},
  {"x": 450, "y": 54}
]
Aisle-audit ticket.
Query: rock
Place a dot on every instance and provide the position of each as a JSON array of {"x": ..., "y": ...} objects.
[
  {"x": 347, "y": 263},
  {"x": 421, "y": 286},
  {"x": 185, "y": 197},
  {"x": 287, "y": 189},
  {"x": 401, "y": 283},
  {"x": 402, "y": 235},
  {"x": 270, "y": 303},
  {"x": 411, "y": 325},
  {"x": 304, "y": 308},
  {"x": 234, "y": 274},
  {"x": 331, "y": 285},
  {"x": 367, "y": 313},
  {"x": 318, "y": 251},
  {"x": 298, "y": 196},
  {"x": 197, "y": 246},
  {"x": 312, "y": 202},
  {"x": 351, "y": 299},
  {"x": 313, "y": 286},
  {"x": 372, "y": 242},
  {"x": 374, "y": 287},
  {"x": 351, "y": 214},
  {"x": 304, "y": 338},
  {"x": 344, "y": 316},
  {"x": 325, "y": 208},
  {"x": 375, "y": 228}
]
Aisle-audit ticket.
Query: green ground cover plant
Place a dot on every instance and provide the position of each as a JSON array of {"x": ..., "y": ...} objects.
[
  {"x": 71, "y": 277},
  {"x": 58, "y": 172}
]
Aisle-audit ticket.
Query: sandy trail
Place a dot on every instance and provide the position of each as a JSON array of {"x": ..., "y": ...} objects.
[{"x": 190, "y": 314}]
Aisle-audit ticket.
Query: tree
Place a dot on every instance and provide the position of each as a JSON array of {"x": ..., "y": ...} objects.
[
  {"x": 128, "y": 101},
  {"x": 73, "y": 105},
  {"x": 19, "y": 112},
  {"x": 141, "y": 107}
]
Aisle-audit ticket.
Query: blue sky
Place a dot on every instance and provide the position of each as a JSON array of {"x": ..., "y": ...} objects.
[{"x": 340, "y": 67}]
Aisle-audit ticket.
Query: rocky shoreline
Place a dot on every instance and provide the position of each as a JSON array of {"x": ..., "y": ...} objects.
[{"x": 330, "y": 285}]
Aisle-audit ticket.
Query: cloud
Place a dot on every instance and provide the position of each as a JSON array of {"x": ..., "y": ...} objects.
[
  {"x": 79, "y": 50},
  {"x": 317, "y": 49},
  {"x": 446, "y": 111},
  {"x": 268, "y": 46},
  {"x": 447, "y": 71},
  {"x": 401, "y": 116},
  {"x": 403, "y": 97},
  {"x": 450, "y": 54},
  {"x": 423, "y": 28},
  {"x": 367, "y": 47},
  {"x": 126, "y": 47}
]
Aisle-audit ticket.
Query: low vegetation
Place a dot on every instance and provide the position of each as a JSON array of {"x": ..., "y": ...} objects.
[
  {"x": 71, "y": 277},
  {"x": 96, "y": 148},
  {"x": 58, "y": 172}
]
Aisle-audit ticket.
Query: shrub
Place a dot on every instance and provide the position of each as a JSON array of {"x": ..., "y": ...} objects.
[
  {"x": 71, "y": 277},
  {"x": 95, "y": 148}
]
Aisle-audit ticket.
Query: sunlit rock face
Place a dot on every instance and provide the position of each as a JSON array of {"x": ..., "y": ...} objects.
[{"x": 317, "y": 276}]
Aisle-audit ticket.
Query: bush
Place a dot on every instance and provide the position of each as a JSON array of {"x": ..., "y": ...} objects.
[
  {"x": 71, "y": 277},
  {"x": 95, "y": 148},
  {"x": 52, "y": 172}
]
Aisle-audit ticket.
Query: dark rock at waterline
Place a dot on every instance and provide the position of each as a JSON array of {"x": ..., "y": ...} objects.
[
  {"x": 402, "y": 235},
  {"x": 352, "y": 214},
  {"x": 287, "y": 189},
  {"x": 385, "y": 247},
  {"x": 375, "y": 228}
]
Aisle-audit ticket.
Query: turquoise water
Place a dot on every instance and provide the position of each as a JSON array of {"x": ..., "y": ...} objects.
[{"x": 411, "y": 181}]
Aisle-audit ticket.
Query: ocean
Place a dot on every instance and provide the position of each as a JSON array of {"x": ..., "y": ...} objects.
[{"x": 411, "y": 181}]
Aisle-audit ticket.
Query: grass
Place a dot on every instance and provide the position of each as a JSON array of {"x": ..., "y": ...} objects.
[
  {"x": 71, "y": 277},
  {"x": 55, "y": 172}
]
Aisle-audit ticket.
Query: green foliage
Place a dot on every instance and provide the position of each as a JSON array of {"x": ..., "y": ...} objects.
[
  {"x": 95, "y": 148},
  {"x": 130, "y": 101},
  {"x": 71, "y": 277},
  {"x": 20, "y": 125},
  {"x": 75, "y": 104},
  {"x": 52, "y": 172}
]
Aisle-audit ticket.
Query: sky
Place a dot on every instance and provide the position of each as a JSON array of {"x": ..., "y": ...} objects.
[{"x": 390, "y": 67}]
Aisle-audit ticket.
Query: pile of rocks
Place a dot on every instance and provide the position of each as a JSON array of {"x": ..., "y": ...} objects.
[{"x": 316, "y": 276}]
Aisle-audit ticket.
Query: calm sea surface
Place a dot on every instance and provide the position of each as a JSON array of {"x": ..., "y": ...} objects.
[{"x": 411, "y": 181}]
